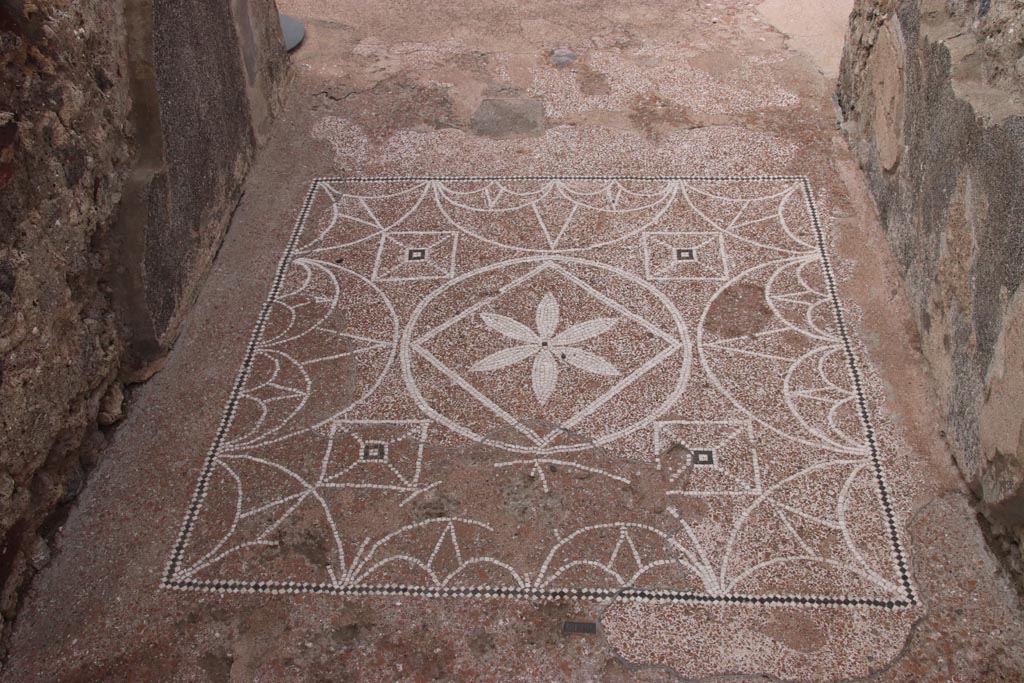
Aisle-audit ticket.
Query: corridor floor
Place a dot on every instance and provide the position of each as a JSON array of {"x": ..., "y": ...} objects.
[{"x": 549, "y": 342}]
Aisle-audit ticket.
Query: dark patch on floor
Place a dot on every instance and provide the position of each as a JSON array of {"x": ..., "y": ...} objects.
[
  {"x": 740, "y": 311},
  {"x": 433, "y": 505},
  {"x": 656, "y": 117},
  {"x": 591, "y": 82},
  {"x": 394, "y": 104},
  {"x": 217, "y": 666},
  {"x": 508, "y": 118}
]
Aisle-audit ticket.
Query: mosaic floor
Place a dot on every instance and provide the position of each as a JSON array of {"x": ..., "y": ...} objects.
[{"x": 638, "y": 388}]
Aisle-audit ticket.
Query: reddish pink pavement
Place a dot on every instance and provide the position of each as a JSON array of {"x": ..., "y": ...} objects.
[{"x": 535, "y": 314}]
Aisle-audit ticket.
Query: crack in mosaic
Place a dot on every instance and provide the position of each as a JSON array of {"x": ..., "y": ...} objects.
[{"x": 541, "y": 387}]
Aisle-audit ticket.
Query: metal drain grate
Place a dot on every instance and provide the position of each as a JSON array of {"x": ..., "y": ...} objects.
[{"x": 585, "y": 627}]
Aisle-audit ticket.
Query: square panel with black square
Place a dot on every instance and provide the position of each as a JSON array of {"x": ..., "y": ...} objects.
[
  {"x": 375, "y": 450},
  {"x": 412, "y": 255},
  {"x": 703, "y": 456},
  {"x": 684, "y": 256}
]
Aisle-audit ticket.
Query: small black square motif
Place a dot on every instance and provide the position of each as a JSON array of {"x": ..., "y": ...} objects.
[
  {"x": 417, "y": 254},
  {"x": 703, "y": 456},
  {"x": 375, "y": 450},
  {"x": 685, "y": 255}
]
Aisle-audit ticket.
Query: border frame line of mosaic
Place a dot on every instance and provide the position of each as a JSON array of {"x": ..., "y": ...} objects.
[{"x": 636, "y": 594}]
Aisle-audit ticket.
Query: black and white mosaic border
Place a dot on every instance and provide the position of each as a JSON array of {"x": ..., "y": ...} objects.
[{"x": 642, "y": 595}]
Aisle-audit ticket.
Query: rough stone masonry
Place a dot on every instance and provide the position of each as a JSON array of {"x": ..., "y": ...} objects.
[
  {"x": 118, "y": 174},
  {"x": 932, "y": 93}
]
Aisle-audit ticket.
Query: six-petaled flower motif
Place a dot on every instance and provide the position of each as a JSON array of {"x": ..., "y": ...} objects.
[{"x": 546, "y": 347}]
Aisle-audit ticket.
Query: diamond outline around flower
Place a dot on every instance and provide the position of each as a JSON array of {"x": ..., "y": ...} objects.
[
  {"x": 544, "y": 344},
  {"x": 415, "y": 345}
]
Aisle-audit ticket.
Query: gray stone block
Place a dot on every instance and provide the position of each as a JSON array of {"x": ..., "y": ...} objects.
[{"x": 507, "y": 118}]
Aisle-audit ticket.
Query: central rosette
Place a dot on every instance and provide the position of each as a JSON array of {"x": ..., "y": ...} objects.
[
  {"x": 546, "y": 355},
  {"x": 546, "y": 347}
]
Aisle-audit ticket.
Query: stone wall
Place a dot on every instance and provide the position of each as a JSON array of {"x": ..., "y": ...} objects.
[
  {"x": 932, "y": 96},
  {"x": 204, "y": 77},
  {"x": 126, "y": 129}
]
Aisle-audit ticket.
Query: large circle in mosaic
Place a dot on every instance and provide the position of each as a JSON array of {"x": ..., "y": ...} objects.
[{"x": 544, "y": 355}]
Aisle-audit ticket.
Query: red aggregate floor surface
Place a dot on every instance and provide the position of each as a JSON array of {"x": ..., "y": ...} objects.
[{"x": 642, "y": 361}]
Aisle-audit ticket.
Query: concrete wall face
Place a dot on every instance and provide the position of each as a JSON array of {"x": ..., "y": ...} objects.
[
  {"x": 932, "y": 94},
  {"x": 126, "y": 130}
]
